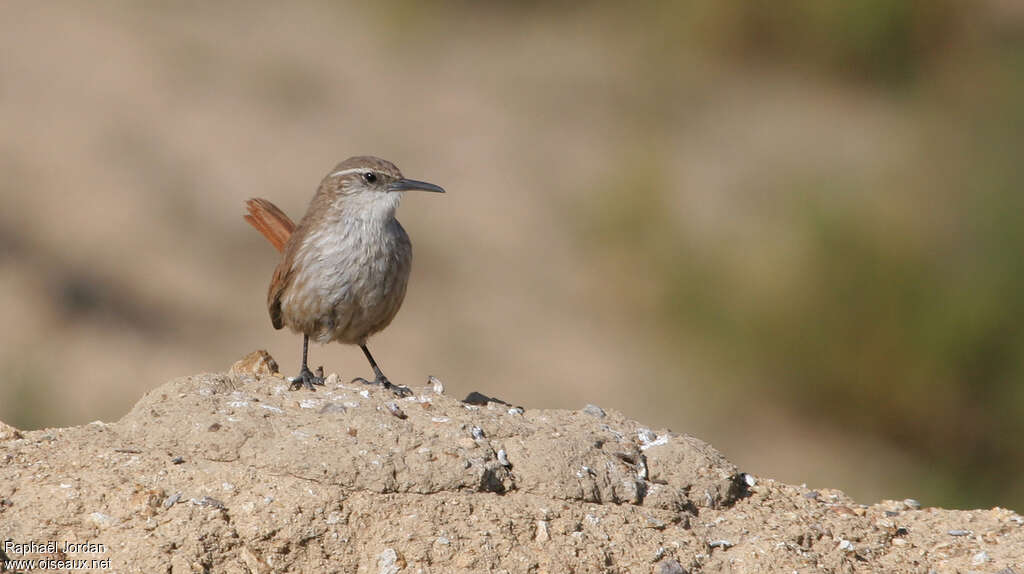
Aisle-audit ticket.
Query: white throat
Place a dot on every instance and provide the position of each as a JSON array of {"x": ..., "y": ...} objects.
[{"x": 369, "y": 207}]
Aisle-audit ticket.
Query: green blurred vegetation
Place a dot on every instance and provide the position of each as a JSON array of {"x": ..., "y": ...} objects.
[
  {"x": 902, "y": 312},
  {"x": 881, "y": 41}
]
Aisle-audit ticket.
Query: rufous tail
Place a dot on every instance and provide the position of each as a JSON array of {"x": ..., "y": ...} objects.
[{"x": 269, "y": 220}]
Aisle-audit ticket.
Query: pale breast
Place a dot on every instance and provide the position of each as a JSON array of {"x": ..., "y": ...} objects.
[{"x": 350, "y": 281}]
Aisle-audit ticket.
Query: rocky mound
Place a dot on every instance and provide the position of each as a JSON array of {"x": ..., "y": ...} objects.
[{"x": 236, "y": 473}]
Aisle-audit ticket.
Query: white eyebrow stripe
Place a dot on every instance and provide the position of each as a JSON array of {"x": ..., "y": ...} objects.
[{"x": 349, "y": 170}]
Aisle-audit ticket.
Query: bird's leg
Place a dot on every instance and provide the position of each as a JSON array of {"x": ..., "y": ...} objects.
[
  {"x": 380, "y": 379},
  {"x": 306, "y": 377}
]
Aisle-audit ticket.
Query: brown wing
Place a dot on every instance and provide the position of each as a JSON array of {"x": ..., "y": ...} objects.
[
  {"x": 282, "y": 276},
  {"x": 277, "y": 227},
  {"x": 269, "y": 220}
]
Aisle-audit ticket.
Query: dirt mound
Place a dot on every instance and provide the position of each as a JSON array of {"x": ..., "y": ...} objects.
[{"x": 236, "y": 473}]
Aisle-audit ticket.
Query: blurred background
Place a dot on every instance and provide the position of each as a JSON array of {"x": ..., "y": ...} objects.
[{"x": 794, "y": 229}]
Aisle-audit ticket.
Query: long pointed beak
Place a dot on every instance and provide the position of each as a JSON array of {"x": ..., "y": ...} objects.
[{"x": 411, "y": 184}]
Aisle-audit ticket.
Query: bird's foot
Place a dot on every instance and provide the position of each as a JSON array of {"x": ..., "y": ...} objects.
[
  {"x": 307, "y": 379},
  {"x": 383, "y": 381}
]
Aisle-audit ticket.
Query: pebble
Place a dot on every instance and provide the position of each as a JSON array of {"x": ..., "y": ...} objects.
[
  {"x": 9, "y": 432},
  {"x": 436, "y": 383},
  {"x": 395, "y": 410},
  {"x": 912, "y": 504},
  {"x": 663, "y": 439},
  {"x": 172, "y": 500},
  {"x": 656, "y": 523},
  {"x": 846, "y": 546},
  {"x": 258, "y": 363},
  {"x": 503, "y": 458},
  {"x": 670, "y": 566},
  {"x": 749, "y": 479},
  {"x": 594, "y": 411},
  {"x": 720, "y": 544},
  {"x": 979, "y": 558},
  {"x": 515, "y": 411},
  {"x": 103, "y": 520},
  {"x": 477, "y": 399},
  {"x": 646, "y": 435},
  {"x": 477, "y": 432},
  {"x": 959, "y": 532},
  {"x": 208, "y": 501},
  {"x": 389, "y": 562},
  {"x": 542, "y": 531}
]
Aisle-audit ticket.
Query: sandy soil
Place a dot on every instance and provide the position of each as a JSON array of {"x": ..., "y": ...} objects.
[{"x": 233, "y": 472}]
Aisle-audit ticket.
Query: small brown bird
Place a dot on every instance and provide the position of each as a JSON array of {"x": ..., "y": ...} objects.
[{"x": 346, "y": 265}]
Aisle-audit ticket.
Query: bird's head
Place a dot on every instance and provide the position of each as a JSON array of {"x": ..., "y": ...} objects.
[{"x": 371, "y": 186}]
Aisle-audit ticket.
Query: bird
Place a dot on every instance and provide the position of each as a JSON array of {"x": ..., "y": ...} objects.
[{"x": 345, "y": 267}]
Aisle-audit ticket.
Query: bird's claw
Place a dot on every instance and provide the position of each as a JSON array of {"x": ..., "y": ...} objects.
[
  {"x": 307, "y": 379},
  {"x": 384, "y": 382}
]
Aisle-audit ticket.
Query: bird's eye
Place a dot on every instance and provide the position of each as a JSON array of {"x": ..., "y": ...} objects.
[{"x": 370, "y": 177}]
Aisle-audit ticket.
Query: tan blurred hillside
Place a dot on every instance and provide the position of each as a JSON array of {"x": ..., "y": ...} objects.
[{"x": 649, "y": 211}]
